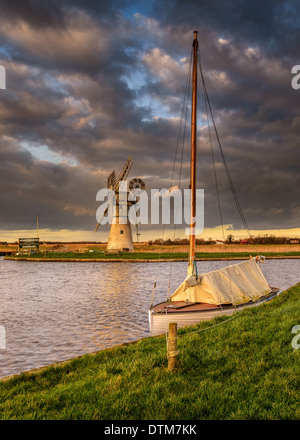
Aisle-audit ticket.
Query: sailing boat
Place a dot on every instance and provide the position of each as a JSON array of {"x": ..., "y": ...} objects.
[{"x": 220, "y": 292}]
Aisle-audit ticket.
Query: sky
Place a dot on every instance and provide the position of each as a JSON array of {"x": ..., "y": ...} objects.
[{"x": 89, "y": 83}]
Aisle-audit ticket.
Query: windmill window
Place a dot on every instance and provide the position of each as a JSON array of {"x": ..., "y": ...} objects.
[{"x": 121, "y": 232}]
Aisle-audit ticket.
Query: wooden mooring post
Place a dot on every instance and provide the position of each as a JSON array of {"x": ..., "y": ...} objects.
[{"x": 172, "y": 346}]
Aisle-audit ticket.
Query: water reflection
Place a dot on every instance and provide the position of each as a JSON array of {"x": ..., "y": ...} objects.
[{"x": 56, "y": 311}]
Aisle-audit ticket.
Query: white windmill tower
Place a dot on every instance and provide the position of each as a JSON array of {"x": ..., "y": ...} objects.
[{"x": 120, "y": 234}]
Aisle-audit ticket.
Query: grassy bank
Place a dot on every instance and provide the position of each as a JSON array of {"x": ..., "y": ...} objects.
[
  {"x": 245, "y": 368},
  {"x": 146, "y": 256}
]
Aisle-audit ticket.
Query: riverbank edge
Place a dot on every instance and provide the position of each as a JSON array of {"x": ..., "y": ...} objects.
[{"x": 93, "y": 353}]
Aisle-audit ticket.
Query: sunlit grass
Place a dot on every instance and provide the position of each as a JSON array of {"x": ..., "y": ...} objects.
[{"x": 148, "y": 255}]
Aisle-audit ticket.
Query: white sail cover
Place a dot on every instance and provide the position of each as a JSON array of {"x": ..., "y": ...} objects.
[{"x": 235, "y": 284}]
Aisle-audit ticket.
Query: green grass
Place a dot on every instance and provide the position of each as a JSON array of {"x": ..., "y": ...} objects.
[
  {"x": 149, "y": 255},
  {"x": 245, "y": 368}
]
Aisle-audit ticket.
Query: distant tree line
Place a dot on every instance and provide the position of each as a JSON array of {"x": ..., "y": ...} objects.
[{"x": 230, "y": 239}]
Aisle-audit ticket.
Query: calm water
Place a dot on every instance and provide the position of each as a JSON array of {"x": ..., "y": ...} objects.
[{"x": 55, "y": 311}]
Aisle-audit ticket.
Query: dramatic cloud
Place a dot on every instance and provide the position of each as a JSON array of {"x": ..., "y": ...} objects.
[{"x": 90, "y": 83}]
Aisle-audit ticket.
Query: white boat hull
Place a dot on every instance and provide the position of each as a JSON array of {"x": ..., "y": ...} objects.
[{"x": 159, "y": 322}]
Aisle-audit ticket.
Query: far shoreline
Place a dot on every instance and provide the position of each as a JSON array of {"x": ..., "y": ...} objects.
[
  {"x": 143, "y": 260},
  {"x": 120, "y": 260},
  {"x": 145, "y": 253}
]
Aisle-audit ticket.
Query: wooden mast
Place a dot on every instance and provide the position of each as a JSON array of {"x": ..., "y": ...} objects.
[{"x": 193, "y": 154}]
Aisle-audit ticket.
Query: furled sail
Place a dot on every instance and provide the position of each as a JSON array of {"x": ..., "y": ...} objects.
[{"x": 235, "y": 284}]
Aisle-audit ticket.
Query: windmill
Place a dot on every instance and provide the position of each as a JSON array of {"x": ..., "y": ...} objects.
[{"x": 120, "y": 235}]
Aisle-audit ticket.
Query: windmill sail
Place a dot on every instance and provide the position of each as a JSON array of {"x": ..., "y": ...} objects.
[
  {"x": 113, "y": 182},
  {"x": 124, "y": 172}
]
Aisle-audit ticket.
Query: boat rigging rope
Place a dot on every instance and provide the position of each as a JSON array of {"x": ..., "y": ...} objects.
[
  {"x": 171, "y": 184},
  {"x": 212, "y": 326},
  {"x": 214, "y": 166},
  {"x": 184, "y": 109},
  {"x": 234, "y": 193},
  {"x": 222, "y": 153},
  {"x": 174, "y": 354}
]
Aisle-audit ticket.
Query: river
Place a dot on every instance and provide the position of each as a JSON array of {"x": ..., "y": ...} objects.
[{"x": 56, "y": 311}]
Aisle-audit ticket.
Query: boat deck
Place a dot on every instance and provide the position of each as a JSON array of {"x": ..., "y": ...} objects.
[{"x": 182, "y": 306}]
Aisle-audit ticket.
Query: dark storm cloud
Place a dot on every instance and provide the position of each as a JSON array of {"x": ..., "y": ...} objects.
[
  {"x": 41, "y": 14},
  {"x": 39, "y": 187},
  {"x": 97, "y": 81},
  {"x": 272, "y": 24},
  {"x": 37, "y": 13}
]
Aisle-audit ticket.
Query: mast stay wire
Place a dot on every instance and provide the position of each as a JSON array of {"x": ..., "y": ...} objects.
[
  {"x": 183, "y": 117},
  {"x": 185, "y": 108},
  {"x": 231, "y": 184},
  {"x": 215, "y": 176}
]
